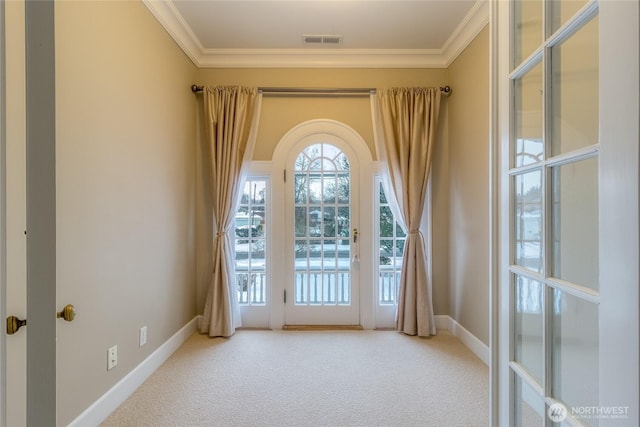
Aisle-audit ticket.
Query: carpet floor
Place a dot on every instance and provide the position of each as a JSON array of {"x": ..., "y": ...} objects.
[{"x": 313, "y": 378}]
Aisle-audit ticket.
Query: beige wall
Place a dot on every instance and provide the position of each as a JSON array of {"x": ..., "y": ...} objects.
[
  {"x": 125, "y": 192},
  {"x": 281, "y": 114},
  {"x": 469, "y": 188}
]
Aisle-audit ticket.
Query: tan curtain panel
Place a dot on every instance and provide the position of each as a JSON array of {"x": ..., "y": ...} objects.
[
  {"x": 231, "y": 115},
  {"x": 408, "y": 120}
]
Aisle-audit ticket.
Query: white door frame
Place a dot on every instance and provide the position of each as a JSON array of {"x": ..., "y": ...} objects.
[{"x": 343, "y": 132}]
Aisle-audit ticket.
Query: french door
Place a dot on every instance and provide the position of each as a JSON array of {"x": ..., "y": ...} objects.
[
  {"x": 321, "y": 237},
  {"x": 568, "y": 91}
]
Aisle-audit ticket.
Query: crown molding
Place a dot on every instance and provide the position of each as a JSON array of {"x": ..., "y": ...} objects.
[
  {"x": 170, "y": 18},
  {"x": 466, "y": 31},
  {"x": 173, "y": 22},
  {"x": 320, "y": 58}
]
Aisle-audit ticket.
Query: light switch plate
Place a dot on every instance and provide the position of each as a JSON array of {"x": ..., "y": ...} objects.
[
  {"x": 112, "y": 357},
  {"x": 143, "y": 336}
]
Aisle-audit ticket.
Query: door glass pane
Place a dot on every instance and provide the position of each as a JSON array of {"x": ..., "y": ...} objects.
[
  {"x": 528, "y": 325},
  {"x": 528, "y": 220},
  {"x": 322, "y": 222},
  {"x": 529, "y": 406},
  {"x": 527, "y": 25},
  {"x": 562, "y": 10},
  {"x": 574, "y": 222},
  {"x": 575, "y": 352},
  {"x": 528, "y": 117},
  {"x": 575, "y": 91},
  {"x": 250, "y": 243}
]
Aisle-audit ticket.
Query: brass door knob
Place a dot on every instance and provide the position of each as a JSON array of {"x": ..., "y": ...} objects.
[
  {"x": 68, "y": 313},
  {"x": 13, "y": 324}
]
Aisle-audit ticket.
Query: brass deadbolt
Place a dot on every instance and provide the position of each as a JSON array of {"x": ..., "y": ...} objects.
[
  {"x": 68, "y": 313},
  {"x": 13, "y": 324}
]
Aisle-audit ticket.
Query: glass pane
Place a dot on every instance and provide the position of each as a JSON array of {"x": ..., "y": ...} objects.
[
  {"x": 344, "y": 254},
  {"x": 342, "y": 163},
  {"x": 329, "y": 288},
  {"x": 329, "y": 182},
  {"x": 574, "y": 222},
  {"x": 527, "y": 27},
  {"x": 315, "y": 287},
  {"x": 302, "y": 163},
  {"x": 343, "y": 222},
  {"x": 575, "y": 352},
  {"x": 315, "y": 188},
  {"x": 313, "y": 151},
  {"x": 386, "y": 252},
  {"x": 301, "y": 221},
  {"x": 383, "y": 197},
  {"x": 528, "y": 117},
  {"x": 562, "y": 10},
  {"x": 528, "y": 220},
  {"x": 529, "y": 406},
  {"x": 330, "y": 152},
  {"x": 330, "y": 255},
  {"x": 399, "y": 250},
  {"x": 343, "y": 188},
  {"x": 574, "y": 95},
  {"x": 300, "y": 189},
  {"x": 344, "y": 287},
  {"x": 329, "y": 226},
  {"x": 528, "y": 325},
  {"x": 301, "y": 249},
  {"x": 386, "y": 222}
]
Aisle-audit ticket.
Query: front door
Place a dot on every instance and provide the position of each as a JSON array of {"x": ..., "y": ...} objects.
[{"x": 322, "y": 235}]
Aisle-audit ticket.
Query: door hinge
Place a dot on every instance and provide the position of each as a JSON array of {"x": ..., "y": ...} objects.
[
  {"x": 284, "y": 175},
  {"x": 285, "y": 296}
]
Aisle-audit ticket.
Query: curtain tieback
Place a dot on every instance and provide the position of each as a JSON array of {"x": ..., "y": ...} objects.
[
  {"x": 414, "y": 231},
  {"x": 221, "y": 234}
]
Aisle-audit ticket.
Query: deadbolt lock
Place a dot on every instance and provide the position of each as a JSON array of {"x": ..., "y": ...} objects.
[{"x": 68, "y": 313}]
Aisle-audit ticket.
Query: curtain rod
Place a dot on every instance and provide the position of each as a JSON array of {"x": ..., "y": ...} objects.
[{"x": 302, "y": 91}]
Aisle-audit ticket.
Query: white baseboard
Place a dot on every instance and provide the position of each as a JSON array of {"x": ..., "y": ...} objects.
[
  {"x": 476, "y": 346},
  {"x": 116, "y": 395}
]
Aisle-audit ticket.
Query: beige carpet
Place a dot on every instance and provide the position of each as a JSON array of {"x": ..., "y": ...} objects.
[{"x": 313, "y": 378}]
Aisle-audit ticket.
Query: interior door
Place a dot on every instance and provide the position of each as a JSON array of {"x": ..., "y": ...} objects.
[
  {"x": 322, "y": 235},
  {"x": 28, "y": 193},
  {"x": 570, "y": 186}
]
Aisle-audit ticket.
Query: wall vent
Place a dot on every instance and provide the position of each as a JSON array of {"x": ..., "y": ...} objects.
[{"x": 322, "y": 39}]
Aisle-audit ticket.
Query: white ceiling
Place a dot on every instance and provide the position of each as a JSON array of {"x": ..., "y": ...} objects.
[{"x": 266, "y": 33}]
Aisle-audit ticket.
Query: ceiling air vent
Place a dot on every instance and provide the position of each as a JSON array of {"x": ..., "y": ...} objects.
[{"x": 320, "y": 39}]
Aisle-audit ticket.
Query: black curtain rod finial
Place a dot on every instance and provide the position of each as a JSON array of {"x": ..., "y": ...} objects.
[
  {"x": 196, "y": 88},
  {"x": 445, "y": 89}
]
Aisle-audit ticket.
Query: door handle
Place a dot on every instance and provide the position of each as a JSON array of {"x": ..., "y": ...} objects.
[
  {"x": 13, "y": 324},
  {"x": 68, "y": 313}
]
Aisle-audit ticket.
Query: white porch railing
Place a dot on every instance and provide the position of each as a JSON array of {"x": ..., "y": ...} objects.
[
  {"x": 316, "y": 287},
  {"x": 388, "y": 285}
]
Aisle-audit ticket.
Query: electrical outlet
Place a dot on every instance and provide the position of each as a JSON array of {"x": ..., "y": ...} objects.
[
  {"x": 112, "y": 357},
  {"x": 143, "y": 336}
]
